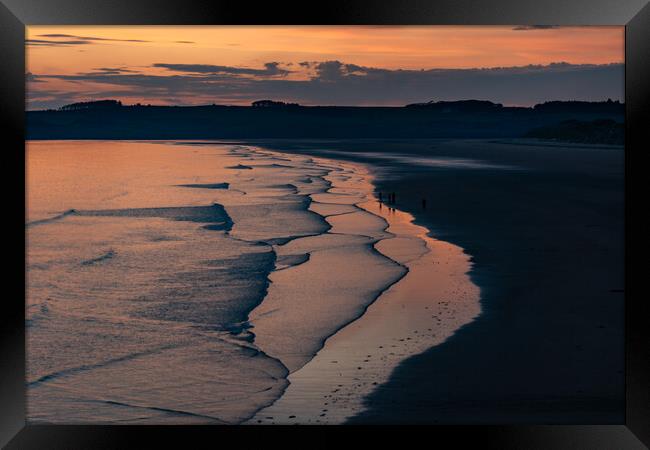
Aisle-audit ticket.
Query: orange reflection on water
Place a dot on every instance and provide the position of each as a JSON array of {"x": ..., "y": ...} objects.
[{"x": 422, "y": 309}]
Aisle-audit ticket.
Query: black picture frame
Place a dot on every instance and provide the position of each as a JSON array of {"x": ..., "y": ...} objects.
[{"x": 16, "y": 14}]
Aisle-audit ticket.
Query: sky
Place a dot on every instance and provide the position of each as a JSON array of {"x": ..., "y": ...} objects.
[{"x": 322, "y": 65}]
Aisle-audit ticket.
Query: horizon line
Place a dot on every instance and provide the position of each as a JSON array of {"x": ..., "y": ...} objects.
[{"x": 282, "y": 103}]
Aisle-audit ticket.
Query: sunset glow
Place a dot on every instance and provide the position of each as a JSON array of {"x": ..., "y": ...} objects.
[{"x": 161, "y": 64}]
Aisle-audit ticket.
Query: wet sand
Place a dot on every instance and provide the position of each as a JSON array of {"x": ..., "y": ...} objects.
[
  {"x": 254, "y": 260},
  {"x": 544, "y": 226},
  {"x": 430, "y": 300}
]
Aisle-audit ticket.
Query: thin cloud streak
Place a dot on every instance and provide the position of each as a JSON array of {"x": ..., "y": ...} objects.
[
  {"x": 88, "y": 38},
  {"x": 49, "y": 43},
  {"x": 59, "y": 40},
  {"x": 535, "y": 27},
  {"x": 270, "y": 69}
]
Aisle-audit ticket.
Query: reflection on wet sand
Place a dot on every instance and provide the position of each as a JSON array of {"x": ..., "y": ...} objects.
[
  {"x": 189, "y": 295},
  {"x": 421, "y": 309}
]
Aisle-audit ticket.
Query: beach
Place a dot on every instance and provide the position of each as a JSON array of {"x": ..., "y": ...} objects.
[
  {"x": 265, "y": 283},
  {"x": 229, "y": 277},
  {"x": 348, "y": 225},
  {"x": 432, "y": 298},
  {"x": 543, "y": 223}
]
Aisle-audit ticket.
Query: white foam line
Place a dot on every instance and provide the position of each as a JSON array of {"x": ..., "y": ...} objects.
[{"x": 419, "y": 311}]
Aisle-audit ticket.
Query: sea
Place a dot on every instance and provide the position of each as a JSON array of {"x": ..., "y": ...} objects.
[{"x": 181, "y": 282}]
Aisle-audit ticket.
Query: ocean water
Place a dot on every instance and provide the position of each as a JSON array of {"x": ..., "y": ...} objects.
[
  {"x": 408, "y": 308},
  {"x": 180, "y": 282}
]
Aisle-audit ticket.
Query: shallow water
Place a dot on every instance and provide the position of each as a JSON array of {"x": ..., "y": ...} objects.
[
  {"x": 145, "y": 259},
  {"x": 427, "y": 301},
  {"x": 428, "y": 160},
  {"x": 137, "y": 302}
]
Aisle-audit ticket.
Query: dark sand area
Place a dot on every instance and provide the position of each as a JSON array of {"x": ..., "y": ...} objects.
[{"x": 544, "y": 224}]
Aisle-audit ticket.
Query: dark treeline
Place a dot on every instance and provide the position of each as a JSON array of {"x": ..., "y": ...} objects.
[
  {"x": 98, "y": 104},
  {"x": 109, "y": 119}
]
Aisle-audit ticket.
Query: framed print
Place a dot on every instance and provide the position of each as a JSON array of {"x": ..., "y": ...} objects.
[{"x": 349, "y": 218}]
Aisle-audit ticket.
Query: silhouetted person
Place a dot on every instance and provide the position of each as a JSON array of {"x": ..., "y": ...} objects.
[
  {"x": 380, "y": 197},
  {"x": 424, "y": 203}
]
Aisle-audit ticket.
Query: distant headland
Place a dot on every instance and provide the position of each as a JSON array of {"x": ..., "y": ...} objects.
[{"x": 573, "y": 121}]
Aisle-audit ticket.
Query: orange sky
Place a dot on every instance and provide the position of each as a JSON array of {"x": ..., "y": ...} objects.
[{"x": 137, "y": 49}]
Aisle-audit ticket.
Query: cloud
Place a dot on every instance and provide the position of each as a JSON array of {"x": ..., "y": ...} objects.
[
  {"x": 31, "y": 78},
  {"x": 337, "y": 83},
  {"x": 50, "y": 43},
  {"x": 270, "y": 69},
  {"x": 336, "y": 70},
  {"x": 111, "y": 71},
  {"x": 58, "y": 39},
  {"x": 534, "y": 27},
  {"x": 331, "y": 70},
  {"x": 50, "y": 98},
  {"x": 88, "y": 38}
]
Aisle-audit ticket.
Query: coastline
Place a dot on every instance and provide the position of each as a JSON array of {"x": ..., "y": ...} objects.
[
  {"x": 419, "y": 310},
  {"x": 551, "y": 284},
  {"x": 416, "y": 310},
  {"x": 323, "y": 251}
]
